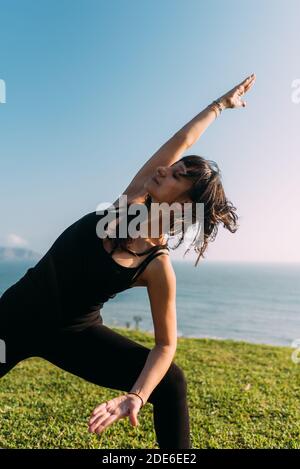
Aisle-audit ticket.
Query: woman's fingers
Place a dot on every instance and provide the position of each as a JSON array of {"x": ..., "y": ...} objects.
[
  {"x": 247, "y": 83},
  {"x": 99, "y": 408},
  {"x": 101, "y": 418},
  {"x": 105, "y": 423},
  {"x": 251, "y": 84},
  {"x": 103, "y": 412},
  {"x": 248, "y": 80},
  {"x": 115, "y": 409},
  {"x": 96, "y": 416},
  {"x": 242, "y": 89}
]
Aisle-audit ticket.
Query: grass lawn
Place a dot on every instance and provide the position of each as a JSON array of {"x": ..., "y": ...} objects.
[{"x": 240, "y": 395}]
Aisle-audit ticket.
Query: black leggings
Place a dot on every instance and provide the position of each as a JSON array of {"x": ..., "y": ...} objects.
[{"x": 98, "y": 355}]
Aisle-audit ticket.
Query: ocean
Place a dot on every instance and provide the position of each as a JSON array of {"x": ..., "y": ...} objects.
[{"x": 258, "y": 303}]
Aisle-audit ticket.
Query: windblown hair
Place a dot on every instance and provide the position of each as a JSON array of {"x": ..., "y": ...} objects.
[{"x": 207, "y": 188}]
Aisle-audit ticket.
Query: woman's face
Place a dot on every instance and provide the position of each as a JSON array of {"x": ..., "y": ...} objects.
[{"x": 168, "y": 185}]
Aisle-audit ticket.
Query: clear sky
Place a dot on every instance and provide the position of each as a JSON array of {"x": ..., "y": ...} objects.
[{"x": 94, "y": 88}]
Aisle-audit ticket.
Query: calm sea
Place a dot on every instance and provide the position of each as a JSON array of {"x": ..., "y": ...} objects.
[{"x": 258, "y": 303}]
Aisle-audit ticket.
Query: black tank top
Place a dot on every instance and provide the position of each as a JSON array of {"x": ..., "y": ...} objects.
[{"x": 77, "y": 275}]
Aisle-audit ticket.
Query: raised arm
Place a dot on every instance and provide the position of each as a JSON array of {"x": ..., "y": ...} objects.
[
  {"x": 166, "y": 155},
  {"x": 232, "y": 99},
  {"x": 171, "y": 151}
]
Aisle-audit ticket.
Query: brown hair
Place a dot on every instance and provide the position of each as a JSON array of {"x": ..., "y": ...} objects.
[{"x": 207, "y": 188}]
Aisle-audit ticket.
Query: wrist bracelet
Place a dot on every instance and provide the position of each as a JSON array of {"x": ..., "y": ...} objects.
[
  {"x": 138, "y": 396},
  {"x": 219, "y": 106}
]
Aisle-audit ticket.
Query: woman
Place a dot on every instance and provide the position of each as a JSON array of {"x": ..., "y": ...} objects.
[{"x": 53, "y": 311}]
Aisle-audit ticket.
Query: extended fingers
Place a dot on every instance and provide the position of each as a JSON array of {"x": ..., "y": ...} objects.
[
  {"x": 249, "y": 82},
  {"x": 245, "y": 84},
  {"x": 98, "y": 420},
  {"x": 102, "y": 422},
  {"x": 247, "y": 88},
  {"x": 97, "y": 416},
  {"x": 99, "y": 408},
  {"x": 248, "y": 79},
  {"x": 243, "y": 88}
]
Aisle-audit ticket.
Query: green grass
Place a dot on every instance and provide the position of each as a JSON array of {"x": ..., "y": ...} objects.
[{"x": 240, "y": 395}]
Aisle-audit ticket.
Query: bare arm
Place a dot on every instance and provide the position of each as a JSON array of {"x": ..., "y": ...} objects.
[
  {"x": 161, "y": 286},
  {"x": 171, "y": 151},
  {"x": 162, "y": 281},
  {"x": 195, "y": 128},
  {"x": 157, "y": 364}
]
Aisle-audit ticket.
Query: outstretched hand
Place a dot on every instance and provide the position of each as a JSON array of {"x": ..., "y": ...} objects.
[
  {"x": 113, "y": 410},
  {"x": 233, "y": 98}
]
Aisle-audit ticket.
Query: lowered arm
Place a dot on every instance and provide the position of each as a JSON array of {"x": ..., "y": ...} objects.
[{"x": 162, "y": 293}]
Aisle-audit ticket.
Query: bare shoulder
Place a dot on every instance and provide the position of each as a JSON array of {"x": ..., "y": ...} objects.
[{"x": 160, "y": 272}]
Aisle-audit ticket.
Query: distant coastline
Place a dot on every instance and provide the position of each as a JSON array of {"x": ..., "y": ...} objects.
[{"x": 14, "y": 254}]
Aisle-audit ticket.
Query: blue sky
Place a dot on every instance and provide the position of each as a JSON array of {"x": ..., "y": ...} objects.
[{"x": 94, "y": 88}]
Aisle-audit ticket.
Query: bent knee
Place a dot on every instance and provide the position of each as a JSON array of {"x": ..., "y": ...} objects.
[
  {"x": 175, "y": 377},
  {"x": 172, "y": 386}
]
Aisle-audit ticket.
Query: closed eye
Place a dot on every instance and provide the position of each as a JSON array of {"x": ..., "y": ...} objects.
[{"x": 175, "y": 175}]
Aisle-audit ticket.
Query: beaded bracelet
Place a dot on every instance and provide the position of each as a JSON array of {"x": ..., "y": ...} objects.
[{"x": 138, "y": 396}]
